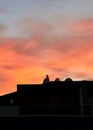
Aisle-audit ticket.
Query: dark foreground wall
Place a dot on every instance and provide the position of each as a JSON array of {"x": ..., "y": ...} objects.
[
  {"x": 53, "y": 98},
  {"x": 9, "y": 110}
]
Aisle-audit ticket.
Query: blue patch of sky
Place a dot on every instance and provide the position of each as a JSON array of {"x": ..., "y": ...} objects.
[{"x": 44, "y": 10}]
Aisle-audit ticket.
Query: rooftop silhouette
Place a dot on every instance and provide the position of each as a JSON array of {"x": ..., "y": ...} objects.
[{"x": 49, "y": 98}]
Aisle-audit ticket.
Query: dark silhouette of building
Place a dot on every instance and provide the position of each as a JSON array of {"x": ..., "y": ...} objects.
[
  {"x": 9, "y": 104},
  {"x": 52, "y": 98}
]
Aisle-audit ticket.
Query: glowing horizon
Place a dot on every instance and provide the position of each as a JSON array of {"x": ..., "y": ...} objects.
[{"x": 39, "y": 37}]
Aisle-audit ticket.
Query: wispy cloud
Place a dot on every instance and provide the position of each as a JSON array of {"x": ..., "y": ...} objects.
[{"x": 41, "y": 52}]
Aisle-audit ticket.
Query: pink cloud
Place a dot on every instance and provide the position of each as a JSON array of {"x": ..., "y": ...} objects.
[
  {"x": 83, "y": 26},
  {"x": 29, "y": 60}
]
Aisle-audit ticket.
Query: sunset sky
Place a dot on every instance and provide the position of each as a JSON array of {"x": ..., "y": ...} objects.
[{"x": 39, "y": 37}]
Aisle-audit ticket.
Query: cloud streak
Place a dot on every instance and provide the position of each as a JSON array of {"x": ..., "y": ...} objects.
[{"x": 29, "y": 60}]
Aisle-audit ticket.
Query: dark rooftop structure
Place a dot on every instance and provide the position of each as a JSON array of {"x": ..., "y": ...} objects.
[{"x": 51, "y": 98}]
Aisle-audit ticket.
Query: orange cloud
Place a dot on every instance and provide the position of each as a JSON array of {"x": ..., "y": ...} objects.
[
  {"x": 19, "y": 63},
  {"x": 29, "y": 60}
]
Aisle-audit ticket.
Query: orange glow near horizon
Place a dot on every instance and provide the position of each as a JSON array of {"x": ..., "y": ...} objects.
[{"x": 27, "y": 61}]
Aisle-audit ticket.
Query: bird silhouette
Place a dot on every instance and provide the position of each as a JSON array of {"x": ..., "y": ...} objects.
[{"x": 46, "y": 80}]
